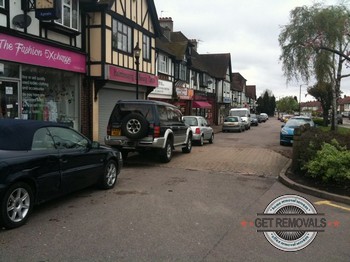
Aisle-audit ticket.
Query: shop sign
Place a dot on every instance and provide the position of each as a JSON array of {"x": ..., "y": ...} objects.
[
  {"x": 129, "y": 76},
  {"x": 184, "y": 93},
  {"x": 29, "y": 52},
  {"x": 163, "y": 88}
]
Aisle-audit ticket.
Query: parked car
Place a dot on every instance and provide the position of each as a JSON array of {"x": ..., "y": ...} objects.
[
  {"x": 43, "y": 160},
  {"x": 233, "y": 123},
  {"x": 254, "y": 121},
  {"x": 339, "y": 119},
  {"x": 265, "y": 116},
  {"x": 285, "y": 118},
  {"x": 287, "y": 130},
  {"x": 243, "y": 113},
  {"x": 148, "y": 125},
  {"x": 201, "y": 130}
]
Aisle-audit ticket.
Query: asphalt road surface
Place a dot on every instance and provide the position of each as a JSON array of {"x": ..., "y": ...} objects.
[{"x": 199, "y": 207}]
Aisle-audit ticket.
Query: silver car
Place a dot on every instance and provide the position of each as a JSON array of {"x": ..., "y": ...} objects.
[
  {"x": 233, "y": 123},
  {"x": 200, "y": 128}
]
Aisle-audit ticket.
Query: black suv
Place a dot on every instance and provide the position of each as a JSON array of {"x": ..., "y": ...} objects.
[{"x": 139, "y": 125}]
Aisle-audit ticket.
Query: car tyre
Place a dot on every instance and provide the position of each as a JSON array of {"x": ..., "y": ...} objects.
[
  {"x": 166, "y": 153},
  {"x": 110, "y": 175},
  {"x": 188, "y": 147},
  {"x": 16, "y": 205},
  {"x": 134, "y": 126},
  {"x": 211, "y": 140},
  {"x": 201, "y": 141}
]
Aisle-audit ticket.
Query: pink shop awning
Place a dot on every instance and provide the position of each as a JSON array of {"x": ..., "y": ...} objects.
[{"x": 201, "y": 104}]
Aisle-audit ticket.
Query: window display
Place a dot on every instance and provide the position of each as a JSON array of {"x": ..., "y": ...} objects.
[{"x": 50, "y": 95}]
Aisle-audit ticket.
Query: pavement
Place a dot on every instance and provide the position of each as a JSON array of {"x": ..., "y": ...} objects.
[{"x": 299, "y": 187}]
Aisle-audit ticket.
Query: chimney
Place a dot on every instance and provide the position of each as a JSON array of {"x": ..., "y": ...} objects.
[
  {"x": 167, "y": 25},
  {"x": 194, "y": 42}
]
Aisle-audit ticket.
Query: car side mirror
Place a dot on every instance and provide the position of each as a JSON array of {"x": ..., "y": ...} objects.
[{"x": 95, "y": 145}]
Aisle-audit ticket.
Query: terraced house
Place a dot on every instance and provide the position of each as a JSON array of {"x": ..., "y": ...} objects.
[
  {"x": 120, "y": 39},
  {"x": 69, "y": 61}
]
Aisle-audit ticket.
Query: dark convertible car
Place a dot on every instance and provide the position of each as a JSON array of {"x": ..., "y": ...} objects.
[{"x": 41, "y": 160}]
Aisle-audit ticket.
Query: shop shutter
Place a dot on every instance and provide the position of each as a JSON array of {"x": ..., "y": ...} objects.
[{"x": 107, "y": 99}]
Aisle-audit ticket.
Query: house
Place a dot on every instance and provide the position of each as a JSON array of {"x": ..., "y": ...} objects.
[
  {"x": 251, "y": 97},
  {"x": 344, "y": 105},
  {"x": 120, "y": 38},
  {"x": 238, "y": 87}
]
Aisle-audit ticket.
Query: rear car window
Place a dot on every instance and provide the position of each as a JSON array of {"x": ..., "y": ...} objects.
[{"x": 123, "y": 109}]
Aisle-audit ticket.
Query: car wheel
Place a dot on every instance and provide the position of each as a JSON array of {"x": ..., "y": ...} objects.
[
  {"x": 188, "y": 147},
  {"x": 166, "y": 153},
  {"x": 211, "y": 138},
  {"x": 134, "y": 126},
  {"x": 201, "y": 141},
  {"x": 16, "y": 205},
  {"x": 110, "y": 174}
]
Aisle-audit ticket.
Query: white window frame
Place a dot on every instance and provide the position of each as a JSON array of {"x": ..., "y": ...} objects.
[
  {"x": 146, "y": 46},
  {"x": 122, "y": 37},
  {"x": 71, "y": 9},
  {"x": 2, "y": 3},
  {"x": 183, "y": 72},
  {"x": 163, "y": 64}
]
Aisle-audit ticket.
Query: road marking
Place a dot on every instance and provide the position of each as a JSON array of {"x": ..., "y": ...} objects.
[{"x": 329, "y": 203}]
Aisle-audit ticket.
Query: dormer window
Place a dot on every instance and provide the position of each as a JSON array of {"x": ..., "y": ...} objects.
[{"x": 70, "y": 14}]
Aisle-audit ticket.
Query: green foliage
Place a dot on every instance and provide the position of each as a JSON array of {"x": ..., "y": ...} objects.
[
  {"x": 288, "y": 105},
  {"x": 331, "y": 163},
  {"x": 318, "y": 121},
  {"x": 313, "y": 140},
  {"x": 266, "y": 103}
]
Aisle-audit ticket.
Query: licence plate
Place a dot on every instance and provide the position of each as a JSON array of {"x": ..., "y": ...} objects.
[{"x": 116, "y": 132}]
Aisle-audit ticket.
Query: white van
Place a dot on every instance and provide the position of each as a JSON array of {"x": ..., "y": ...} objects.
[{"x": 244, "y": 113}]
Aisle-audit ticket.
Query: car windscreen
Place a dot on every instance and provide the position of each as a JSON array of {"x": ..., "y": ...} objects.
[
  {"x": 191, "y": 121},
  {"x": 231, "y": 119},
  {"x": 241, "y": 113},
  {"x": 295, "y": 123}
]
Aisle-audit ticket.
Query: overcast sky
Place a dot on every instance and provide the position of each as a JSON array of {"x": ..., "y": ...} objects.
[{"x": 248, "y": 30}]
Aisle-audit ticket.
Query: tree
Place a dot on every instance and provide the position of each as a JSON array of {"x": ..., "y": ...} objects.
[
  {"x": 287, "y": 104},
  {"x": 266, "y": 103},
  {"x": 323, "y": 93},
  {"x": 315, "y": 45}
]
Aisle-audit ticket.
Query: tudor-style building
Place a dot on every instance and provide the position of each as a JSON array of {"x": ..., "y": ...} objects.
[{"x": 114, "y": 29}]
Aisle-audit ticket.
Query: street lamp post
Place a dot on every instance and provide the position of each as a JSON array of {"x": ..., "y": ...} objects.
[
  {"x": 300, "y": 97},
  {"x": 137, "y": 52}
]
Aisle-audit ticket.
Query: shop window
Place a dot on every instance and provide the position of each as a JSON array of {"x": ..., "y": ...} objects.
[
  {"x": 122, "y": 37},
  {"x": 70, "y": 14},
  {"x": 146, "y": 47},
  {"x": 50, "y": 95}
]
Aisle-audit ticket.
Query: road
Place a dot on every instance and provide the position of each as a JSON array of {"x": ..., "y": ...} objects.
[{"x": 191, "y": 209}]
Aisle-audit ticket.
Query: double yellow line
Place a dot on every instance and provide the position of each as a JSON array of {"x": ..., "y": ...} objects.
[{"x": 329, "y": 203}]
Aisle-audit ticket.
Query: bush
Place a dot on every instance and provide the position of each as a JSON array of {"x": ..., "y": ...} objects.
[
  {"x": 318, "y": 121},
  {"x": 331, "y": 163},
  {"x": 313, "y": 140}
]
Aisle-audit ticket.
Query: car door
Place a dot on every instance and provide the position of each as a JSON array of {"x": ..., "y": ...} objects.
[
  {"x": 178, "y": 126},
  {"x": 80, "y": 165},
  {"x": 205, "y": 128},
  {"x": 47, "y": 165}
]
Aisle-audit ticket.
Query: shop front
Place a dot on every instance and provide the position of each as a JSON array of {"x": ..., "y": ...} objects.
[
  {"x": 184, "y": 97},
  {"x": 163, "y": 92},
  {"x": 40, "y": 82},
  {"x": 202, "y": 106}
]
